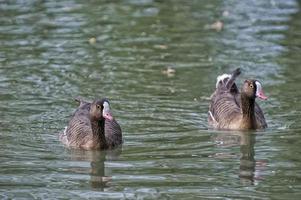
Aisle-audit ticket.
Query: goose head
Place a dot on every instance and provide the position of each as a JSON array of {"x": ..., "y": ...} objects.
[
  {"x": 253, "y": 89},
  {"x": 100, "y": 109}
]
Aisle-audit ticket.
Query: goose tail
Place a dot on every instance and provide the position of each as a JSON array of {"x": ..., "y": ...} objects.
[
  {"x": 227, "y": 81},
  {"x": 80, "y": 101}
]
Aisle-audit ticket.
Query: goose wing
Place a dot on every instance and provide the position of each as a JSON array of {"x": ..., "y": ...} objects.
[
  {"x": 223, "y": 106},
  {"x": 260, "y": 117},
  {"x": 113, "y": 133},
  {"x": 223, "y": 109},
  {"x": 79, "y": 130}
]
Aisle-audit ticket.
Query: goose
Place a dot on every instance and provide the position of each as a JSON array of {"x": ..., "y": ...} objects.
[
  {"x": 92, "y": 126},
  {"x": 231, "y": 109}
]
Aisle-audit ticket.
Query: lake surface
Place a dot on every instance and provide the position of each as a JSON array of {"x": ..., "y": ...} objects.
[{"x": 52, "y": 52}]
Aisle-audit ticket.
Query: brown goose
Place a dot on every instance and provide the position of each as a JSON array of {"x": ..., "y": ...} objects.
[
  {"x": 234, "y": 110},
  {"x": 92, "y": 126}
]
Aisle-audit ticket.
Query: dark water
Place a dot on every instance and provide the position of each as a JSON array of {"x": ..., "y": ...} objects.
[{"x": 52, "y": 52}]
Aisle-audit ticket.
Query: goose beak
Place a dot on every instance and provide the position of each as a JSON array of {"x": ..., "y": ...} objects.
[
  {"x": 261, "y": 95},
  {"x": 106, "y": 113},
  {"x": 259, "y": 91}
]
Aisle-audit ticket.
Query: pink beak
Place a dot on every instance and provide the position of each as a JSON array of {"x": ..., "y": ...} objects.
[
  {"x": 261, "y": 95},
  {"x": 108, "y": 115},
  {"x": 259, "y": 91}
]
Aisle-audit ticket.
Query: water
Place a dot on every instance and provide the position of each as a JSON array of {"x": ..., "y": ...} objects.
[{"x": 52, "y": 52}]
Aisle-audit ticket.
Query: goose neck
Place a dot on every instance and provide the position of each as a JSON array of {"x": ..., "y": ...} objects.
[
  {"x": 99, "y": 132},
  {"x": 247, "y": 108}
]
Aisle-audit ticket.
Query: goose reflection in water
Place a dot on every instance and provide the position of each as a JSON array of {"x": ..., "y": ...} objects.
[
  {"x": 100, "y": 175},
  {"x": 250, "y": 170}
]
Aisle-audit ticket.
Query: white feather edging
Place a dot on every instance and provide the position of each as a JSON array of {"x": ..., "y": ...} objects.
[
  {"x": 221, "y": 78},
  {"x": 213, "y": 119},
  {"x": 65, "y": 131}
]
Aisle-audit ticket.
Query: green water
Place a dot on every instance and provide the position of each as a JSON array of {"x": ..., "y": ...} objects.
[{"x": 46, "y": 60}]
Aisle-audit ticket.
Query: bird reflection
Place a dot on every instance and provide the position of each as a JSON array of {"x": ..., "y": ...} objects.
[
  {"x": 247, "y": 161},
  {"x": 248, "y": 168},
  {"x": 100, "y": 175}
]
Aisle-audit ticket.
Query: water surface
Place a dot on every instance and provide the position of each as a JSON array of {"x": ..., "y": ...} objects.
[{"x": 52, "y": 52}]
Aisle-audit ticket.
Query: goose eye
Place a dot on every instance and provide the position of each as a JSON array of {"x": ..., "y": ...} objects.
[
  {"x": 251, "y": 86},
  {"x": 98, "y": 106}
]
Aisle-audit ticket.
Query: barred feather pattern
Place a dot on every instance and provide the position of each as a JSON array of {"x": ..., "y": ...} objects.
[
  {"x": 81, "y": 132},
  {"x": 224, "y": 110},
  {"x": 113, "y": 133}
]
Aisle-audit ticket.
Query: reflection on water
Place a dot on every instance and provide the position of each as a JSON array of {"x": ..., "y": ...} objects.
[
  {"x": 246, "y": 142},
  {"x": 100, "y": 175},
  {"x": 250, "y": 169},
  {"x": 247, "y": 161},
  {"x": 52, "y": 52}
]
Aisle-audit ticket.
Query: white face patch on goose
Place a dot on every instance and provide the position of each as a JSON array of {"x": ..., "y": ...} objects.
[
  {"x": 258, "y": 88},
  {"x": 106, "y": 113},
  {"x": 106, "y": 107},
  {"x": 259, "y": 91}
]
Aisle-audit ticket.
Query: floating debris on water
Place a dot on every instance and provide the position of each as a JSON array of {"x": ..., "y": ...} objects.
[
  {"x": 169, "y": 71},
  {"x": 171, "y": 90},
  {"x": 226, "y": 13},
  {"x": 218, "y": 25},
  {"x": 160, "y": 46},
  {"x": 92, "y": 40}
]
